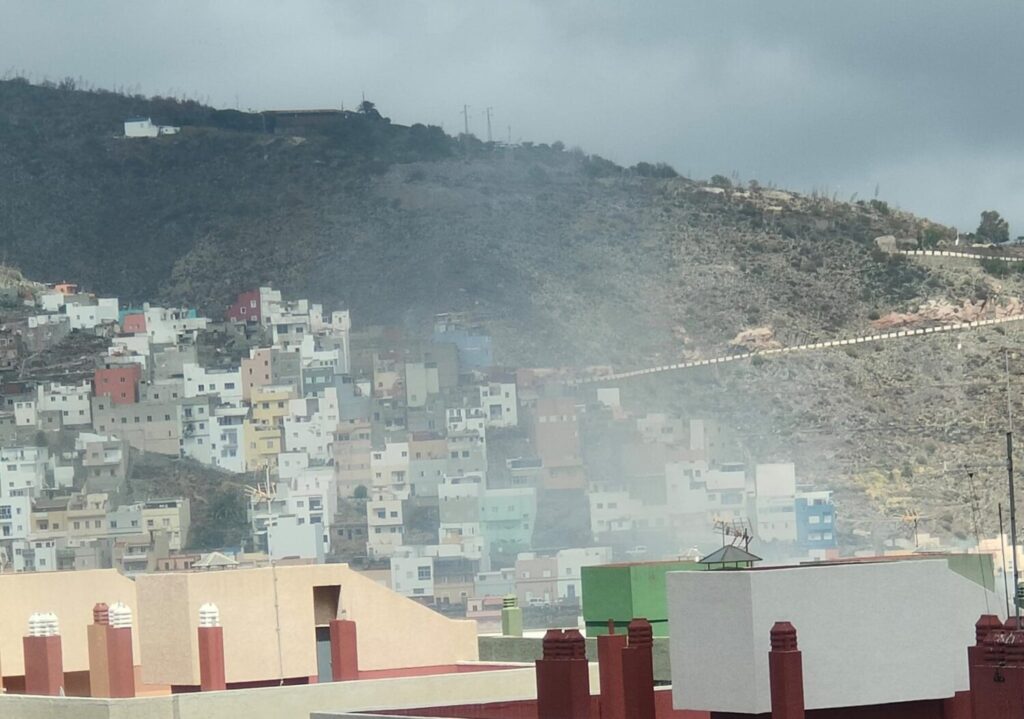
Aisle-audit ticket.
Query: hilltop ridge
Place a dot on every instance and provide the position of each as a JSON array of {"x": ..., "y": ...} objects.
[{"x": 567, "y": 258}]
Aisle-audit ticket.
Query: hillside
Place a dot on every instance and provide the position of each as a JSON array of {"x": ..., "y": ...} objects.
[{"x": 569, "y": 259}]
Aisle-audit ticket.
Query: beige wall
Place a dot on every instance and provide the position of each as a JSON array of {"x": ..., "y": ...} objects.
[
  {"x": 299, "y": 701},
  {"x": 69, "y": 595},
  {"x": 169, "y": 619}
]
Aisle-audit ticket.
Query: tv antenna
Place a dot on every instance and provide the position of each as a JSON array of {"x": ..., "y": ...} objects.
[{"x": 738, "y": 529}]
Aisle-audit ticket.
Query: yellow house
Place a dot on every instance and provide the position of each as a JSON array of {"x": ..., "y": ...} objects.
[
  {"x": 270, "y": 403},
  {"x": 172, "y": 516},
  {"x": 262, "y": 445}
]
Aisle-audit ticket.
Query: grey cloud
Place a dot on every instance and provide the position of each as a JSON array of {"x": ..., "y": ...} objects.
[{"x": 923, "y": 97}]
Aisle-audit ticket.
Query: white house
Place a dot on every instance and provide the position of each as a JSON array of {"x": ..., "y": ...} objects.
[
  {"x": 384, "y": 525},
  {"x": 390, "y": 469},
  {"x": 227, "y": 441},
  {"x": 500, "y": 404},
  {"x": 226, "y": 384},
  {"x": 871, "y": 633},
  {"x": 144, "y": 127},
  {"x": 25, "y": 414},
  {"x": 570, "y": 568},
  {"x": 15, "y": 516},
  {"x": 51, "y": 300},
  {"x": 612, "y": 511},
  {"x": 72, "y": 401},
  {"x": 168, "y": 325},
  {"x": 22, "y": 471},
  {"x": 775, "y": 502},
  {"x": 412, "y": 574}
]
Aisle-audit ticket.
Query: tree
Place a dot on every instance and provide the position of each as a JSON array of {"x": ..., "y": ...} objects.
[
  {"x": 993, "y": 228},
  {"x": 720, "y": 181}
]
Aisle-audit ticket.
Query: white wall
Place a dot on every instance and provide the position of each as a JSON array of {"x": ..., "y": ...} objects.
[
  {"x": 500, "y": 404},
  {"x": 73, "y": 401},
  {"x": 873, "y": 633},
  {"x": 198, "y": 381}
]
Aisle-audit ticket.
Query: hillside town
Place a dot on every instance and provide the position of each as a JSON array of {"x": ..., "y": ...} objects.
[{"x": 453, "y": 481}]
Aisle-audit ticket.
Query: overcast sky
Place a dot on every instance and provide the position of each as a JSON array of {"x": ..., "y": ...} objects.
[{"x": 922, "y": 99}]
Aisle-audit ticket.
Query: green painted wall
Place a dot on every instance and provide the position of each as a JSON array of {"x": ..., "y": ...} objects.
[
  {"x": 625, "y": 591},
  {"x": 979, "y": 568}
]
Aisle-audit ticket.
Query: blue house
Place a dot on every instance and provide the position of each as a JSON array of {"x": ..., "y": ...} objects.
[
  {"x": 474, "y": 347},
  {"x": 815, "y": 520}
]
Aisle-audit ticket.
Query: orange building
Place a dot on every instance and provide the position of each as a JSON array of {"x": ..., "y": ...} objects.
[{"x": 555, "y": 432}]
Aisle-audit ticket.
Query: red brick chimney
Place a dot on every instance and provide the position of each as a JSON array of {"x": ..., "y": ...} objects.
[
  {"x": 638, "y": 670},
  {"x": 563, "y": 677},
  {"x": 997, "y": 670},
  {"x": 120, "y": 662},
  {"x": 609, "y": 660},
  {"x": 786, "y": 673},
  {"x": 44, "y": 658},
  {"x": 344, "y": 650}
]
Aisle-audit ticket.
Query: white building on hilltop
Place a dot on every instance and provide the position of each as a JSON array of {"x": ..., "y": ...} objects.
[{"x": 144, "y": 127}]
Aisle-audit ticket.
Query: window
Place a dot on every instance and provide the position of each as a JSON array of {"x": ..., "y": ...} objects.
[
  {"x": 423, "y": 573},
  {"x": 5, "y": 512}
]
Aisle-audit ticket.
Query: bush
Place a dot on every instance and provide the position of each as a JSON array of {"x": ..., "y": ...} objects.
[
  {"x": 881, "y": 207},
  {"x": 995, "y": 267},
  {"x": 720, "y": 181}
]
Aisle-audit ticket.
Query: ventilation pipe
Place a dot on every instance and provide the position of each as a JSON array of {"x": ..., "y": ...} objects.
[{"x": 211, "y": 649}]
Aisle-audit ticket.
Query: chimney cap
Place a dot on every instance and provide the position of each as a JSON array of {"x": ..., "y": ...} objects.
[
  {"x": 209, "y": 615},
  {"x": 120, "y": 615}
]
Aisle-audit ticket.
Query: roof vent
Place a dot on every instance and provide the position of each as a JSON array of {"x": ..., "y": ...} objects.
[
  {"x": 209, "y": 615},
  {"x": 43, "y": 624}
]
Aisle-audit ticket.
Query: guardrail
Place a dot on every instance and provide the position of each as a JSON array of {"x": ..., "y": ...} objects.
[{"x": 898, "y": 334}]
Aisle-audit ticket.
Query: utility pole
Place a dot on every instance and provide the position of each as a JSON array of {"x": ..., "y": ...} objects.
[
  {"x": 488, "y": 111},
  {"x": 1013, "y": 524},
  {"x": 465, "y": 118},
  {"x": 1013, "y": 503}
]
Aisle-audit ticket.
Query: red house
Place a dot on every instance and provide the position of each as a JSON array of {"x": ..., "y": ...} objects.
[
  {"x": 246, "y": 308},
  {"x": 134, "y": 324},
  {"x": 120, "y": 383}
]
